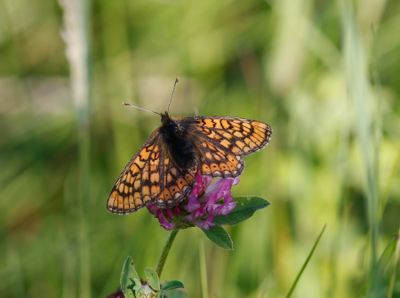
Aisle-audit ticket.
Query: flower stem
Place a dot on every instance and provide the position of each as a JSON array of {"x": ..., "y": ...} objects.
[{"x": 165, "y": 251}]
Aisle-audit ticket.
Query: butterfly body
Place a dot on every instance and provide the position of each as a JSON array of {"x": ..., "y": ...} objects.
[
  {"x": 163, "y": 171},
  {"x": 175, "y": 136}
]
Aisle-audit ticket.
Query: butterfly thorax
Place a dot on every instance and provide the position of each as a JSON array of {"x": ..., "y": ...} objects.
[{"x": 175, "y": 136}]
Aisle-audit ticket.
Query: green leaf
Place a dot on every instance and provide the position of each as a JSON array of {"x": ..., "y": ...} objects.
[
  {"x": 173, "y": 293},
  {"x": 245, "y": 208},
  {"x": 152, "y": 278},
  {"x": 129, "y": 278},
  {"x": 172, "y": 284},
  {"x": 219, "y": 236}
]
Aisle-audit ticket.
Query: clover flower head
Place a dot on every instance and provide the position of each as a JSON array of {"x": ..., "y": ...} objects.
[{"x": 208, "y": 199}]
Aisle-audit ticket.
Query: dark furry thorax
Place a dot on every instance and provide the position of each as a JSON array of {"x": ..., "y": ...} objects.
[{"x": 175, "y": 136}]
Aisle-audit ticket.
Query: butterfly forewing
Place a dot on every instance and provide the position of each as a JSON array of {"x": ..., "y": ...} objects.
[
  {"x": 137, "y": 183},
  {"x": 150, "y": 176},
  {"x": 238, "y": 136}
]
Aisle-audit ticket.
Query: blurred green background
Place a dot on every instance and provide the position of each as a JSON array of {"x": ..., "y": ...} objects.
[{"x": 324, "y": 74}]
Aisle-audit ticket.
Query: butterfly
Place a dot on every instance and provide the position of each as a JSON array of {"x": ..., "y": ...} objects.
[{"x": 163, "y": 171}]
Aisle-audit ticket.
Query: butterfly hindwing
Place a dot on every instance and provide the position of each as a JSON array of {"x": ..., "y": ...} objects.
[
  {"x": 176, "y": 183},
  {"x": 217, "y": 162}
]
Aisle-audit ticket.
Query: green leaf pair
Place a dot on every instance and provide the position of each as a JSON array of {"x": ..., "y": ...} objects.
[
  {"x": 245, "y": 208},
  {"x": 133, "y": 287}
]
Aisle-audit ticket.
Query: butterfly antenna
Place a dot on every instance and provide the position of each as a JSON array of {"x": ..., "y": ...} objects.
[
  {"x": 172, "y": 94},
  {"x": 130, "y": 105}
]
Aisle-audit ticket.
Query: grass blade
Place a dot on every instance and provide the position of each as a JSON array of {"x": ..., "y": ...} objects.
[
  {"x": 289, "y": 294},
  {"x": 76, "y": 37},
  {"x": 395, "y": 265},
  {"x": 203, "y": 270}
]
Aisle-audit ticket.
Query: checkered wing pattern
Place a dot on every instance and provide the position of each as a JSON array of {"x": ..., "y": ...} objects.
[
  {"x": 223, "y": 141},
  {"x": 150, "y": 176}
]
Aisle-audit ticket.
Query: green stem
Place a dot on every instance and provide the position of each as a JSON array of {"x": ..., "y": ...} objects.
[{"x": 165, "y": 251}]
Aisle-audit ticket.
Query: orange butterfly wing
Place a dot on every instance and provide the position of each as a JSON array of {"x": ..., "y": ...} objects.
[
  {"x": 223, "y": 141},
  {"x": 136, "y": 184},
  {"x": 177, "y": 183},
  {"x": 150, "y": 176}
]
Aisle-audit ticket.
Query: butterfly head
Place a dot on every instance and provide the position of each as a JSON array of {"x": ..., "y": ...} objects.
[
  {"x": 169, "y": 127},
  {"x": 165, "y": 118}
]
